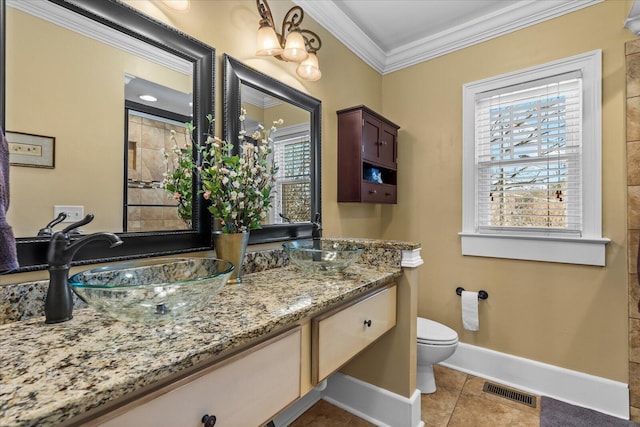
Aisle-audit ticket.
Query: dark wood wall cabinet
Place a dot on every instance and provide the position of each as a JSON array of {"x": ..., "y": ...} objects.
[{"x": 367, "y": 153}]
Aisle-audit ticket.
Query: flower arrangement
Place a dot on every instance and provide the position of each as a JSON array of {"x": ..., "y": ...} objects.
[
  {"x": 178, "y": 179},
  {"x": 238, "y": 186}
]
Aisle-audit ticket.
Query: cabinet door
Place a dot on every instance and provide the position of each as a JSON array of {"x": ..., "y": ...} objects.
[
  {"x": 370, "y": 138},
  {"x": 387, "y": 146},
  {"x": 244, "y": 392}
]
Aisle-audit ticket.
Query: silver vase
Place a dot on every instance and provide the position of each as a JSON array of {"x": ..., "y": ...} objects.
[{"x": 231, "y": 247}]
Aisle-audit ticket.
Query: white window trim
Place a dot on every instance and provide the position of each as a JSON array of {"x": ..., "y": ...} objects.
[{"x": 590, "y": 247}]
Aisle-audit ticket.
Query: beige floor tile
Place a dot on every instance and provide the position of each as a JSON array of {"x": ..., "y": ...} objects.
[
  {"x": 449, "y": 377},
  {"x": 478, "y": 412},
  {"x": 324, "y": 414},
  {"x": 437, "y": 407}
]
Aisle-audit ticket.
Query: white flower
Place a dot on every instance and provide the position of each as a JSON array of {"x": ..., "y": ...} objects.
[{"x": 225, "y": 180}]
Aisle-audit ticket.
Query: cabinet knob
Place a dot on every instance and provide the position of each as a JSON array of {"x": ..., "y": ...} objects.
[
  {"x": 368, "y": 323},
  {"x": 208, "y": 420}
]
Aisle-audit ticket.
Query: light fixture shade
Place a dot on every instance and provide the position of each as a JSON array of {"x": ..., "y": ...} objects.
[
  {"x": 309, "y": 68},
  {"x": 295, "y": 49},
  {"x": 267, "y": 42}
]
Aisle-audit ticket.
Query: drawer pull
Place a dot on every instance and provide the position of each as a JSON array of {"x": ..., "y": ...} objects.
[
  {"x": 373, "y": 191},
  {"x": 209, "y": 420},
  {"x": 368, "y": 323}
]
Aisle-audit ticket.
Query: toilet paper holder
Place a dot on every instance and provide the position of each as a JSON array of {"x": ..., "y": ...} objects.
[{"x": 481, "y": 294}]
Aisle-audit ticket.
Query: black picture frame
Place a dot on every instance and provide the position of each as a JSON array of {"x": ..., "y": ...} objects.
[{"x": 236, "y": 73}]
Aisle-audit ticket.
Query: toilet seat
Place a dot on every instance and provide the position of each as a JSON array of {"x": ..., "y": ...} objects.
[{"x": 434, "y": 333}]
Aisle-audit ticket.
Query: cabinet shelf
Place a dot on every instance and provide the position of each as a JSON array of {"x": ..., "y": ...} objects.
[{"x": 367, "y": 156}]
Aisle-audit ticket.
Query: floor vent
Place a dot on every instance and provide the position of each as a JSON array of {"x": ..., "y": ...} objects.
[{"x": 507, "y": 393}]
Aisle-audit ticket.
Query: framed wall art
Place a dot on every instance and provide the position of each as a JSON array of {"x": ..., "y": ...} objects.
[{"x": 35, "y": 151}]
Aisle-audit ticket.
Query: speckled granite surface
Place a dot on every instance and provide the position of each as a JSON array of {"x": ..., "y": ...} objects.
[{"x": 51, "y": 373}]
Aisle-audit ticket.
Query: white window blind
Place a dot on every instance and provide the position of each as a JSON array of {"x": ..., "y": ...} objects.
[
  {"x": 528, "y": 157},
  {"x": 293, "y": 181}
]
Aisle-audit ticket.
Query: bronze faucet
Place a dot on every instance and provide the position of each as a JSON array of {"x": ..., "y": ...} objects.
[{"x": 58, "y": 306}]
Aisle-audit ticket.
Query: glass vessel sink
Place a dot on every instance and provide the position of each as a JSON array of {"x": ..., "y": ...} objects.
[
  {"x": 152, "y": 290},
  {"x": 321, "y": 256}
]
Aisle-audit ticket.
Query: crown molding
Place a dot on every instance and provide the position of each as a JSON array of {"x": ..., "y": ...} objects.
[
  {"x": 331, "y": 17},
  {"x": 65, "y": 18},
  {"x": 518, "y": 15}
]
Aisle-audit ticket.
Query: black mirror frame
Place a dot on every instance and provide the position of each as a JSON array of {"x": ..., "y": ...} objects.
[
  {"x": 32, "y": 251},
  {"x": 236, "y": 73}
]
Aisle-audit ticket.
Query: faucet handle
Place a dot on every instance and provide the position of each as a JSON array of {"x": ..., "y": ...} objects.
[
  {"x": 84, "y": 221},
  {"x": 48, "y": 229}
]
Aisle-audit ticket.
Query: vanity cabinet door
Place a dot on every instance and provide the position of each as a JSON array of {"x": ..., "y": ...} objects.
[
  {"x": 387, "y": 146},
  {"x": 371, "y": 135},
  {"x": 245, "y": 391},
  {"x": 378, "y": 142},
  {"x": 341, "y": 334}
]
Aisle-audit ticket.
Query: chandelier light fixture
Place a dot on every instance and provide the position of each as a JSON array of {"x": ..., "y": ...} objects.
[{"x": 293, "y": 43}]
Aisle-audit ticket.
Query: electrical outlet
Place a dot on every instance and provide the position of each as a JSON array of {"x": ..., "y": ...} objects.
[{"x": 74, "y": 213}]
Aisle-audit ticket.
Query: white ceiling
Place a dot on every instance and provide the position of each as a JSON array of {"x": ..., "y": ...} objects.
[{"x": 393, "y": 34}]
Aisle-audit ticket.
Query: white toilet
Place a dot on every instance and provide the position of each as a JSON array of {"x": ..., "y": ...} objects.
[{"x": 436, "y": 342}]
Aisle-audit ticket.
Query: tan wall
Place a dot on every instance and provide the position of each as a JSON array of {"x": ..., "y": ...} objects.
[
  {"x": 291, "y": 115},
  {"x": 75, "y": 94},
  {"x": 566, "y": 315}
]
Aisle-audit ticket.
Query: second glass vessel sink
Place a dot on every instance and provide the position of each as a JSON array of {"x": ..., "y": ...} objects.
[{"x": 322, "y": 256}]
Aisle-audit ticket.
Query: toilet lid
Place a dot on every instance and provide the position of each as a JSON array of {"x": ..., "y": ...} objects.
[{"x": 430, "y": 331}]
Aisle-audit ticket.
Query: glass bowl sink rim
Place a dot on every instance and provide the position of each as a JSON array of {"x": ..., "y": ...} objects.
[
  {"x": 307, "y": 245},
  {"x": 76, "y": 282}
]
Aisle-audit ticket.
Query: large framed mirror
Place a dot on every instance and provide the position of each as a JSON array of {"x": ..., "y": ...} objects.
[
  {"x": 297, "y": 199},
  {"x": 48, "y": 89}
]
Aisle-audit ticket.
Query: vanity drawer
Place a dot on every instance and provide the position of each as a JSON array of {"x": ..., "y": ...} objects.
[
  {"x": 378, "y": 193},
  {"x": 245, "y": 391},
  {"x": 341, "y": 334}
]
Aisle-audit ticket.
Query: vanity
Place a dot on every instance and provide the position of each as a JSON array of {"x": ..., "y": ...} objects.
[{"x": 255, "y": 350}]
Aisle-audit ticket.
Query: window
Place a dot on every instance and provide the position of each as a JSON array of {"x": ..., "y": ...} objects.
[
  {"x": 292, "y": 199},
  {"x": 531, "y": 165}
]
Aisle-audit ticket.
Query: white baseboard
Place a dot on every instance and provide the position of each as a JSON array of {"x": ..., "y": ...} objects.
[
  {"x": 601, "y": 394},
  {"x": 298, "y": 408},
  {"x": 374, "y": 404}
]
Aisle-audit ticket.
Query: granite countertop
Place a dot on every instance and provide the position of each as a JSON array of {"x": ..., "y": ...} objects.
[{"x": 51, "y": 373}]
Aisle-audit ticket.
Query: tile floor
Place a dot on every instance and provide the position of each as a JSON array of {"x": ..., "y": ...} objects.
[{"x": 458, "y": 401}]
